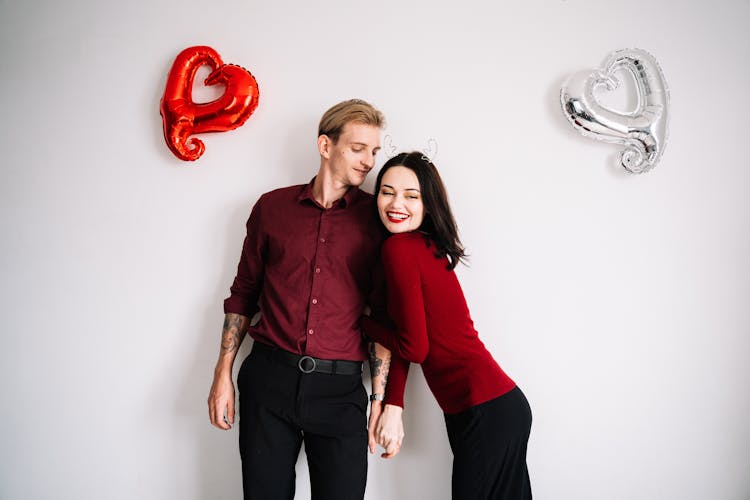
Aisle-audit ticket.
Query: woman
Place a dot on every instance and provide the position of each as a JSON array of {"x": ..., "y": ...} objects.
[{"x": 487, "y": 417}]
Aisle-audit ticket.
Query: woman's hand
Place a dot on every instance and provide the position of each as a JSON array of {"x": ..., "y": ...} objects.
[{"x": 389, "y": 430}]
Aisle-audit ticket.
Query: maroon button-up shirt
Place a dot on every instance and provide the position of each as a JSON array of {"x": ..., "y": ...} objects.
[{"x": 310, "y": 271}]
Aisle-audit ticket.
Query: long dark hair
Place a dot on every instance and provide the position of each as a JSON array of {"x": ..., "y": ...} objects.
[{"x": 438, "y": 224}]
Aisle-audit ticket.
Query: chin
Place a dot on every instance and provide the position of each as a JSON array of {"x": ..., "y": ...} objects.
[
  {"x": 396, "y": 229},
  {"x": 356, "y": 181}
]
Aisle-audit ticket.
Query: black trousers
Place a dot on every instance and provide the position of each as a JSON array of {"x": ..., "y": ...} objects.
[
  {"x": 280, "y": 408},
  {"x": 489, "y": 449}
]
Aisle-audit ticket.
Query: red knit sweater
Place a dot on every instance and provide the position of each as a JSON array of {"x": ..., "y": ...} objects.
[{"x": 433, "y": 328}]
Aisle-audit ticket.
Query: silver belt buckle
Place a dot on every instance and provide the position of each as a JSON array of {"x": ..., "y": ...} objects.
[{"x": 304, "y": 360}]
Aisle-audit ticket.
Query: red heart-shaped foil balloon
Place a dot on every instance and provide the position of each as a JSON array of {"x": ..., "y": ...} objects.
[{"x": 182, "y": 117}]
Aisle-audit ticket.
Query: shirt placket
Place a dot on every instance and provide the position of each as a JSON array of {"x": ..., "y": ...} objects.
[{"x": 314, "y": 316}]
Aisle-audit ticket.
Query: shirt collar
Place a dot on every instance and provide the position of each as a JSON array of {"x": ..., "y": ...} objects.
[{"x": 345, "y": 201}]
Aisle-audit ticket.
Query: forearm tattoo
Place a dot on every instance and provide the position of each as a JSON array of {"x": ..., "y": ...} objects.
[
  {"x": 379, "y": 368},
  {"x": 375, "y": 361},
  {"x": 233, "y": 332}
]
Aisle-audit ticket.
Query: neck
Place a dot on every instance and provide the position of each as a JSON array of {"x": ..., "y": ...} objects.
[{"x": 327, "y": 190}]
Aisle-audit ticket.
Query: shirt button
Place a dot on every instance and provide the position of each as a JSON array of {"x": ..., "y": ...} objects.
[
  {"x": 322, "y": 240},
  {"x": 317, "y": 270},
  {"x": 310, "y": 331},
  {"x": 314, "y": 301}
]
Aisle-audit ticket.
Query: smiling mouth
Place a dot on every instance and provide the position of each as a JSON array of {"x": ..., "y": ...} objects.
[{"x": 396, "y": 217}]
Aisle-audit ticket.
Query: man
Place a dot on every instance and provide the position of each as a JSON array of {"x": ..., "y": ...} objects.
[{"x": 307, "y": 264}]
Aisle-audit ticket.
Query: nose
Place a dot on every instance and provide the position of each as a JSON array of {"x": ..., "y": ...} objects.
[
  {"x": 369, "y": 162},
  {"x": 397, "y": 202}
]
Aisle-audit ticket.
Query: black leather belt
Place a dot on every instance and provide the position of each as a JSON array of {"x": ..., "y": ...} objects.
[{"x": 308, "y": 364}]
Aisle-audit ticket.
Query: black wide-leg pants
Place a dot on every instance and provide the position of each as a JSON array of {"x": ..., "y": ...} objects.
[
  {"x": 489, "y": 449},
  {"x": 280, "y": 408}
]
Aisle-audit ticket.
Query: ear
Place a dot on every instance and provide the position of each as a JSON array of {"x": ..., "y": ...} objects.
[{"x": 324, "y": 146}]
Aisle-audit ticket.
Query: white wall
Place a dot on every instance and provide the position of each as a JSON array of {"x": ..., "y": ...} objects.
[{"x": 618, "y": 302}]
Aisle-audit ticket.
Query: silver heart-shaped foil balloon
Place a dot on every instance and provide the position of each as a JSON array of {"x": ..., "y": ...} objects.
[{"x": 643, "y": 131}]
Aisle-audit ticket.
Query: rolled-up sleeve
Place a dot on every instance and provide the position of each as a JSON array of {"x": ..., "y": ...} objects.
[{"x": 248, "y": 282}]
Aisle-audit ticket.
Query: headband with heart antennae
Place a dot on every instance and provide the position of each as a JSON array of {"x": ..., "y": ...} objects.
[{"x": 428, "y": 154}]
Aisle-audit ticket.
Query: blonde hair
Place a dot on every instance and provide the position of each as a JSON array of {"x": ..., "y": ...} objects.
[{"x": 353, "y": 110}]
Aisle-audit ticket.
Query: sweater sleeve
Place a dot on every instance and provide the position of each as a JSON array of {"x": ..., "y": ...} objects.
[
  {"x": 394, "y": 391},
  {"x": 405, "y": 304}
]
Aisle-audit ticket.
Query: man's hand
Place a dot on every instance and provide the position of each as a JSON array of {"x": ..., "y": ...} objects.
[
  {"x": 221, "y": 402},
  {"x": 389, "y": 431},
  {"x": 221, "y": 397},
  {"x": 376, "y": 408},
  {"x": 380, "y": 362}
]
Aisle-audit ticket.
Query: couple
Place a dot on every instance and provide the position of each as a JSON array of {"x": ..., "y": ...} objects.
[{"x": 311, "y": 263}]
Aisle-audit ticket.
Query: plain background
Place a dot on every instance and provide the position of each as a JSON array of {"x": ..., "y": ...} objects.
[{"x": 618, "y": 302}]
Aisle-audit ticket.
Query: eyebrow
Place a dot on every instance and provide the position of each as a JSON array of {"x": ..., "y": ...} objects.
[{"x": 407, "y": 189}]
